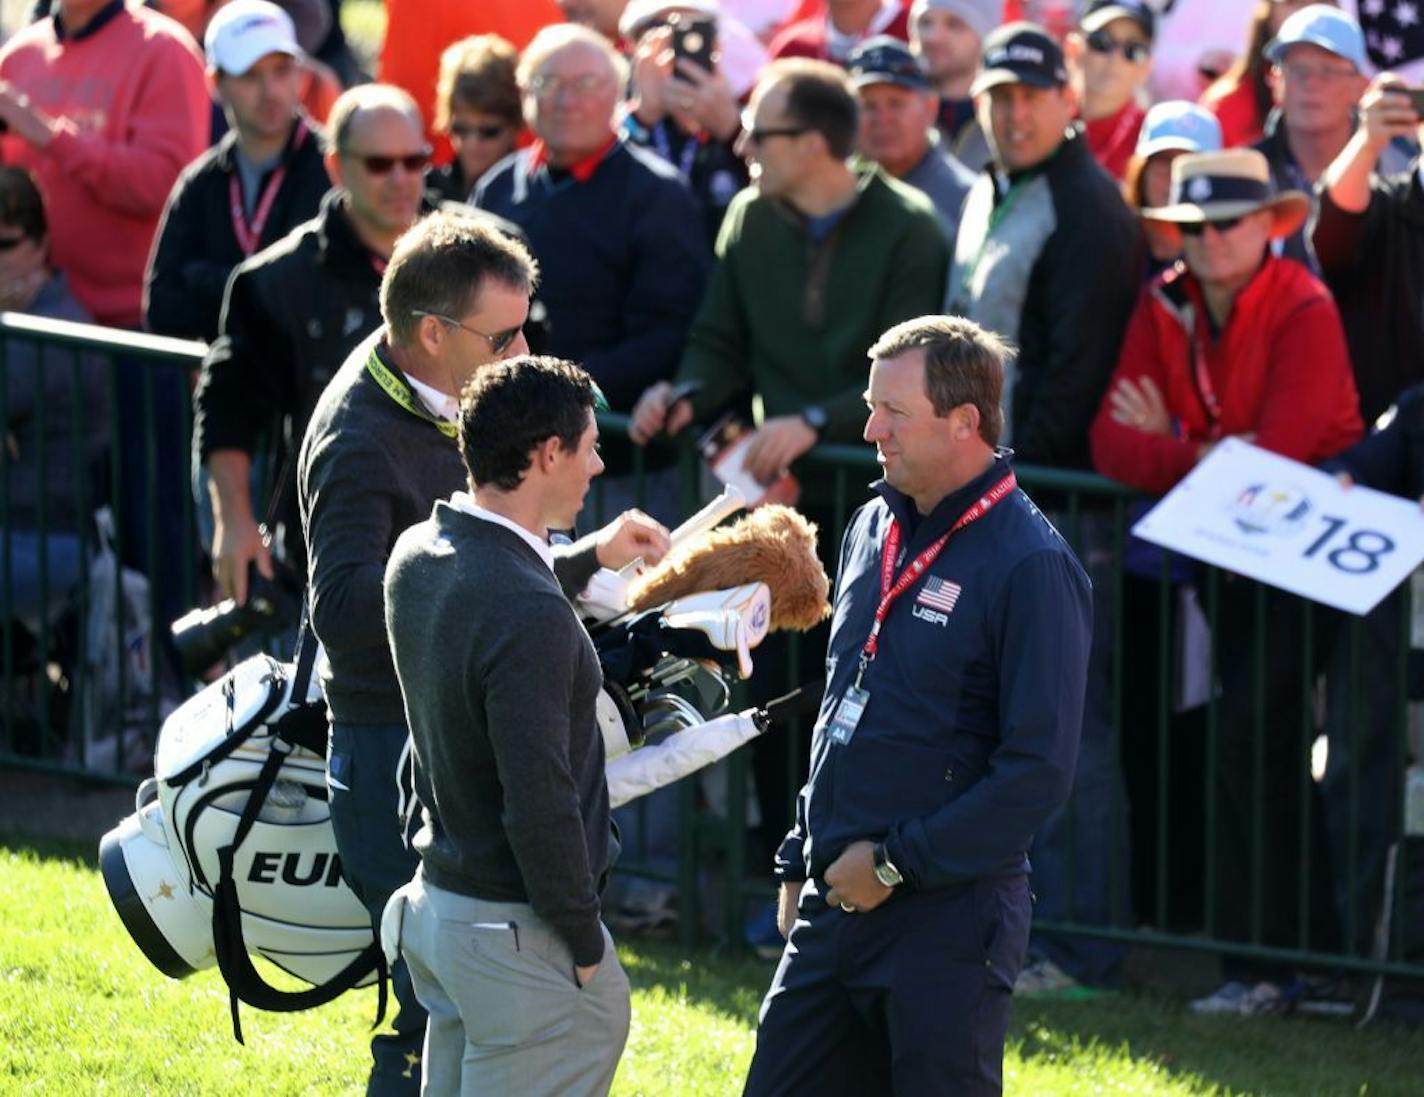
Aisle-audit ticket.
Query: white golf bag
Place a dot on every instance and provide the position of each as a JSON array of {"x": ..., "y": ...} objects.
[{"x": 231, "y": 850}]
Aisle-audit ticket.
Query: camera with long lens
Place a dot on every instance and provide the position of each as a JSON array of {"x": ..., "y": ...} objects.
[{"x": 203, "y": 636}]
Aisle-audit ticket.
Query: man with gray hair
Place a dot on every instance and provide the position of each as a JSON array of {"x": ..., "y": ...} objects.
[
  {"x": 617, "y": 232},
  {"x": 292, "y": 312},
  {"x": 948, "y": 36},
  {"x": 962, "y": 613}
]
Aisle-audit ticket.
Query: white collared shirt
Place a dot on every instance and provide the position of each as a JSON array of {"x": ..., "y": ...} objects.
[
  {"x": 440, "y": 404},
  {"x": 464, "y": 501}
]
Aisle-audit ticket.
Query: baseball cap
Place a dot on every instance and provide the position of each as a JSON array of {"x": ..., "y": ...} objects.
[
  {"x": 1178, "y": 124},
  {"x": 245, "y": 31},
  {"x": 1102, "y": 12},
  {"x": 1321, "y": 25},
  {"x": 1020, "y": 53},
  {"x": 642, "y": 15},
  {"x": 885, "y": 60}
]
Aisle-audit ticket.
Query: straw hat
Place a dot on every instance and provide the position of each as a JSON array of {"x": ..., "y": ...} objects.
[{"x": 1222, "y": 186}]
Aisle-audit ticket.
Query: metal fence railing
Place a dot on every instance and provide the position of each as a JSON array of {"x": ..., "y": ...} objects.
[
  {"x": 97, "y": 544},
  {"x": 1242, "y": 779}
]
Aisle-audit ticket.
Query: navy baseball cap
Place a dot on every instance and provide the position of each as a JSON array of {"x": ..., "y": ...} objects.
[
  {"x": 885, "y": 60},
  {"x": 1102, "y": 12},
  {"x": 1020, "y": 53}
]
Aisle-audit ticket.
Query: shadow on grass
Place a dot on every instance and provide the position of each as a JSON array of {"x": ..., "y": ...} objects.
[
  {"x": 1242, "y": 1055},
  {"x": 51, "y": 849},
  {"x": 731, "y": 985}
]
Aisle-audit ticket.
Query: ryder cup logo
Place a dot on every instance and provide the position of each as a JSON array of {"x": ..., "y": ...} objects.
[{"x": 1270, "y": 509}]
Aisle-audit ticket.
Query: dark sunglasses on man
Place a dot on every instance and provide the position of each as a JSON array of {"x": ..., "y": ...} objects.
[
  {"x": 498, "y": 342},
  {"x": 384, "y": 165},
  {"x": 484, "y": 132},
  {"x": 1100, "y": 41},
  {"x": 1222, "y": 225}
]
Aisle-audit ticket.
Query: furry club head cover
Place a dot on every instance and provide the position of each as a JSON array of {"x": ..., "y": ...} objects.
[{"x": 774, "y": 545}]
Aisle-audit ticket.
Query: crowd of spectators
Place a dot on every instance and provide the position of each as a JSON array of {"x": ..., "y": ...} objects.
[{"x": 1186, "y": 237}]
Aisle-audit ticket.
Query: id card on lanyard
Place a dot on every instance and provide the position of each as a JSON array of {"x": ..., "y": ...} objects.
[{"x": 852, "y": 705}]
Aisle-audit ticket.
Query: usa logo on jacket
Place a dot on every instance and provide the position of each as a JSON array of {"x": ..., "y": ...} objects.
[{"x": 936, "y": 600}]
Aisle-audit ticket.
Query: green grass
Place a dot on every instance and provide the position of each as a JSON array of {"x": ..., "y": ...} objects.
[{"x": 81, "y": 1011}]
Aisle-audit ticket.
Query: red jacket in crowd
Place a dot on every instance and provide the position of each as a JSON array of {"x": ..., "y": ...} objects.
[
  {"x": 133, "y": 106},
  {"x": 1237, "y": 110},
  {"x": 1279, "y": 370},
  {"x": 807, "y": 37}
]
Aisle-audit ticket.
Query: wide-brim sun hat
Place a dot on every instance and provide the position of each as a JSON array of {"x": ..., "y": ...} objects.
[{"x": 1222, "y": 186}]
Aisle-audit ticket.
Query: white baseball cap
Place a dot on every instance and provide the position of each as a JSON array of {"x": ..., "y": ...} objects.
[{"x": 245, "y": 31}]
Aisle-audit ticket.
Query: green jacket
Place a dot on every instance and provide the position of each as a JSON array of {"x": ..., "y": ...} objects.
[{"x": 791, "y": 320}]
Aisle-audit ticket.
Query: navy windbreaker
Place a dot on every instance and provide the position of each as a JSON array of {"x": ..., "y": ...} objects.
[{"x": 970, "y": 737}]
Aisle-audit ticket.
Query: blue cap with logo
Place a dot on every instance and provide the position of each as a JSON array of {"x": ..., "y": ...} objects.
[
  {"x": 1100, "y": 13},
  {"x": 1020, "y": 53},
  {"x": 1321, "y": 25},
  {"x": 885, "y": 60},
  {"x": 1178, "y": 124}
]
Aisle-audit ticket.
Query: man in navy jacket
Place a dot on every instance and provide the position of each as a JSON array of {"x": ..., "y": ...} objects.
[{"x": 948, "y": 734}]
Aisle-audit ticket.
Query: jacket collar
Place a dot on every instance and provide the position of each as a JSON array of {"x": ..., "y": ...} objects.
[
  {"x": 337, "y": 242},
  {"x": 581, "y": 170},
  {"x": 868, "y": 174},
  {"x": 101, "y": 19},
  {"x": 226, "y": 147},
  {"x": 1181, "y": 294},
  {"x": 919, "y": 528}
]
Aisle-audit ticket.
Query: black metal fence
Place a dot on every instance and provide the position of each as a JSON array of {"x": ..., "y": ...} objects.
[{"x": 1242, "y": 783}]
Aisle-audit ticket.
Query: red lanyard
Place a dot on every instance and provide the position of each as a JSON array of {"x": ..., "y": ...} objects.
[
  {"x": 1205, "y": 387},
  {"x": 890, "y": 589},
  {"x": 247, "y": 234}
]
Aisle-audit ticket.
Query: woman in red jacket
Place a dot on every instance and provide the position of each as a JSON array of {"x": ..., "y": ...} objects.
[
  {"x": 1238, "y": 342},
  {"x": 1234, "y": 342}
]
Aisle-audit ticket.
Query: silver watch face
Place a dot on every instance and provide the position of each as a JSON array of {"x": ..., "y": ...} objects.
[{"x": 888, "y": 875}]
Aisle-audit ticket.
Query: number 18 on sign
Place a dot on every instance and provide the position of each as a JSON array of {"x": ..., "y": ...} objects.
[{"x": 1291, "y": 526}]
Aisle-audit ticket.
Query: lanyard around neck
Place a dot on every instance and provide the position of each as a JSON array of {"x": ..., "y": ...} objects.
[
  {"x": 891, "y": 588},
  {"x": 400, "y": 392}
]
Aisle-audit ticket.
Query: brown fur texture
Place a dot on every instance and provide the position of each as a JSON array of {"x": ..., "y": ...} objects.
[{"x": 774, "y": 545}]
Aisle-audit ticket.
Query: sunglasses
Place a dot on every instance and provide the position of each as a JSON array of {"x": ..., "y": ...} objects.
[
  {"x": 463, "y": 130},
  {"x": 384, "y": 165},
  {"x": 1221, "y": 225},
  {"x": 1100, "y": 41},
  {"x": 498, "y": 342},
  {"x": 757, "y": 136}
]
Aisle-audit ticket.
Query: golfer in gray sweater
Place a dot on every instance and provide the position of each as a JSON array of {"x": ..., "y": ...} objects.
[{"x": 501, "y": 929}]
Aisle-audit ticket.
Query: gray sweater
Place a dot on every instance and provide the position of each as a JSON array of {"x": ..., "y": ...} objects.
[
  {"x": 500, "y": 681},
  {"x": 368, "y": 470}
]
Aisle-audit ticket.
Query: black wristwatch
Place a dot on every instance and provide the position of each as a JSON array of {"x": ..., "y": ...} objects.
[
  {"x": 885, "y": 870},
  {"x": 815, "y": 418}
]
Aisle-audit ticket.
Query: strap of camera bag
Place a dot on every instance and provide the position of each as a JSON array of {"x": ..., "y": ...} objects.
[{"x": 244, "y": 981}]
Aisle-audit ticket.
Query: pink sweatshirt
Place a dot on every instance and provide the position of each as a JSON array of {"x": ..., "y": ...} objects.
[{"x": 133, "y": 106}]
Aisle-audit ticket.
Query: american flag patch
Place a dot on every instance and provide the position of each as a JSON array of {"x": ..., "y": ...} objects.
[{"x": 939, "y": 594}]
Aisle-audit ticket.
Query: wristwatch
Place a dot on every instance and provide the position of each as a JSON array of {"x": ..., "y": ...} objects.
[
  {"x": 815, "y": 418},
  {"x": 885, "y": 870}
]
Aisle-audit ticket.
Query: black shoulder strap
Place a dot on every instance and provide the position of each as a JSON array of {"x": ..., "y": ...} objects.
[{"x": 244, "y": 981}]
